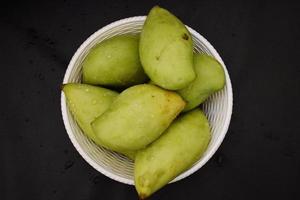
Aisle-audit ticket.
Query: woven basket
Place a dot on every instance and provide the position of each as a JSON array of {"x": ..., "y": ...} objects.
[{"x": 218, "y": 107}]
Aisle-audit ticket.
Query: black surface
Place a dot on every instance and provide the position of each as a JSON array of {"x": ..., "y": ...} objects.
[{"x": 260, "y": 156}]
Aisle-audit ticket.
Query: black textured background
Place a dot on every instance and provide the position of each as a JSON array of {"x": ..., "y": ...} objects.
[{"x": 258, "y": 40}]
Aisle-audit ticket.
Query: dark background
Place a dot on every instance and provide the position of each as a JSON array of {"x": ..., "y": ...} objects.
[{"x": 260, "y": 156}]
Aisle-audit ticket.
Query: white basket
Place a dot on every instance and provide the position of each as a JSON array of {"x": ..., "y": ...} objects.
[{"x": 218, "y": 107}]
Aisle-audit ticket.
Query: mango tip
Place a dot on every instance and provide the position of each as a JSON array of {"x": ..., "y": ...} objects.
[
  {"x": 62, "y": 86},
  {"x": 142, "y": 197}
]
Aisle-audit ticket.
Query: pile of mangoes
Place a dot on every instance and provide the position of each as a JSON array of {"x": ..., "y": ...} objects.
[{"x": 154, "y": 120}]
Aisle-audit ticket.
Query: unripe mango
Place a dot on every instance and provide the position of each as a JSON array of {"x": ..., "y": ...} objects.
[
  {"x": 137, "y": 117},
  {"x": 180, "y": 146},
  {"x": 166, "y": 50},
  {"x": 114, "y": 62},
  {"x": 86, "y": 103},
  {"x": 210, "y": 78}
]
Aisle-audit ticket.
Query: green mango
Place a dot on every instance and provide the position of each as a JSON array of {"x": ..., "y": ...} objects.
[
  {"x": 86, "y": 103},
  {"x": 182, "y": 144},
  {"x": 166, "y": 50},
  {"x": 210, "y": 78},
  {"x": 114, "y": 62},
  {"x": 137, "y": 117}
]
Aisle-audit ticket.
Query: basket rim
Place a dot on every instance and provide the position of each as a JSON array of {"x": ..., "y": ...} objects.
[{"x": 113, "y": 176}]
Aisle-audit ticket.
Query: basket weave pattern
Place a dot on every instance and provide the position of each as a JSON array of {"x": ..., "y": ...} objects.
[{"x": 218, "y": 107}]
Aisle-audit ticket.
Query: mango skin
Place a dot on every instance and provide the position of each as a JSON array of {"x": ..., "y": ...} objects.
[
  {"x": 210, "y": 78},
  {"x": 114, "y": 62},
  {"x": 137, "y": 117},
  {"x": 182, "y": 144},
  {"x": 166, "y": 50},
  {"x": 86, "y": 103}
]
